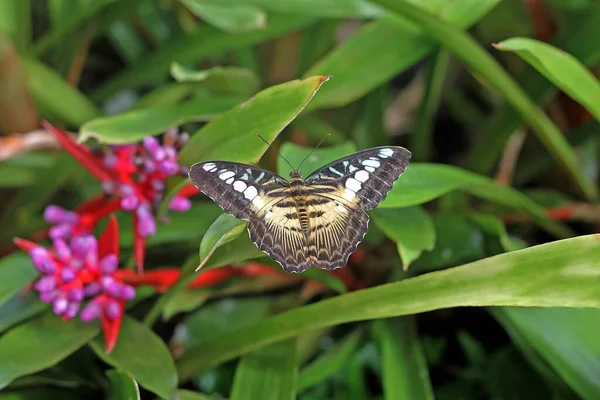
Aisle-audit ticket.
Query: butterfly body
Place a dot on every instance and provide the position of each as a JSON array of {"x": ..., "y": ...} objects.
[{"x": 298, "y": 223}]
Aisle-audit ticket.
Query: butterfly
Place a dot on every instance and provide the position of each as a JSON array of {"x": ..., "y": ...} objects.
[{"x": 316, "y": 221}]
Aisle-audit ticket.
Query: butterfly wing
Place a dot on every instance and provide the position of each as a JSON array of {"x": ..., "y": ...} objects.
[
  {"x": 264, "y": 200},
  {"x": 363, "y": 178},
  {"x": 343, "y": 190},
  {"x": 239, "y": 189}
]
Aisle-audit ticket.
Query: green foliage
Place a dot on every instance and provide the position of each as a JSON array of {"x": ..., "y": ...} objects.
[{"x": 479, "y": 276}]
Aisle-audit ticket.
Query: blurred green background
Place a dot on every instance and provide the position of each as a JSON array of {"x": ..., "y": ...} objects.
[{"x": 499, "y": 102}]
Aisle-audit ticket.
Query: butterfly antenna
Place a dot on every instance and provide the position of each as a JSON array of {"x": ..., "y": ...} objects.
[
  {"x": 316, "y": 147},
  {"x": 273, "y": 148}
]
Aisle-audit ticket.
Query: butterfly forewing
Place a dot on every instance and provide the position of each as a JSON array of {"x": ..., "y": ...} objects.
[{"x": 317, "y": 222}]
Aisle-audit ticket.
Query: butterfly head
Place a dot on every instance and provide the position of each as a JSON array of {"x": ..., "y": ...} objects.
[{"x": 295, "y": 176}]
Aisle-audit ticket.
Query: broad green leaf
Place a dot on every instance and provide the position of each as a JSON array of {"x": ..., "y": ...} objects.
[
  {"x": 457, "y": 241},
  {"x": 189, "y": 226},
  {"x": 15, "y": 22},
  {"x": 578, "y": 39},
  {"x": 405, "y": 374},
  {"x": 319, "y": 157},
  {"x": 411, "y": 228},
  {"x": 224, "y": 230},
  {"x": 219, "y": 79},
  {"x": 326, "y": 278},
  {"x": 16, "y": 271},
  {"x": 137, "y": 345},
  {"x": 39, "y": 344},
  {"x": 185, "y": 301},
  {"x": 267, "y": 373},
  {"x": 566, "y": 338},
  {"x": 330, "y": 362},
  {"x": 183, "y": 394},
  {"x": 134, "y": 125},
  {"x": 564, "y": 273},
  {"x": 232, "y": 136},
  {"x": 234, "y": 252},
  {"x": 19, "y": 308},
  {"x": 194, "y": 47},
  {"x": 122, "y": 386},
  {"x": 560, "y": 68},
  {"x": 424, "y": 182},
  {"x": 494, "y": 226},
  {"x": 374, "y": 55},
  {"x": 42, "y": 392},
  {"x": 471, "y": 53},
  {"x": 317, "y": 8},
  {"x": 232, "y": 18},
  {"x": 14, "y": 176},
  {"x": 53, "y": 93}
]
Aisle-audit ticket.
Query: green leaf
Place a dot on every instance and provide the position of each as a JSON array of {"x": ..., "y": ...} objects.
[
  {"x": 18, "y": 308},
  {"x": 185, "y": 301},
  {"x": 267, "y": 373},
  {"x": 234, "y": 252},
  {"x": 137, "y": 345},
  {"x": 295, "y": 154},
  {"x": 424, "y": 182},
  {"x": 564, "y": 273},
  {"x": 122, "y": 386},
  {"x": 224, "y": 230},
  {"x": 566, "y": 338},
  {"x": 317, "y": 8},
  {"x": 411, "y": 228},
  {"x": 560, "y": 68},
  {"x": 330, "y": 362},
  {"x": 53, "y": 93},
  {"x": 16, "y": 271},
  {"x": 134, "y": 125},
  {"x": 40, "y": 344},
  {"x": 331, "y": 281},
  {"x": 219, "y": 79},
  {"x": 472, "y": 54},
  {"x": 194, "y": 47},
  {"x": 494, "y": 226},
  {"x": 15, "y": 22},
  {"x": 405, "y": 374},
  {"x": 233, "y": 18},
  {"x": 457, "y": 241},
  {"x": 14, "y": 176},
  {"x": 232, "y": 136},
  {"x": 373, "y": 55},
  {"x": 189, "y": 395}
]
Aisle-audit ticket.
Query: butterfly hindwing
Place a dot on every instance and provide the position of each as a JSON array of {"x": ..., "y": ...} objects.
[
  {"x": 365, "y": 177},
  {"x": 239, "y": 189}
]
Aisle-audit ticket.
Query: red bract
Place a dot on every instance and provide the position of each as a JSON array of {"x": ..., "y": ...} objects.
[
  {"x": 133, "y": 179},
  {"x": 83, "y": 269}
]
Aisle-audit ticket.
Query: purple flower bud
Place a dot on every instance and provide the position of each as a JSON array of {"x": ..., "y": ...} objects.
[
  {"x": 112, "y": 309},
  {"x": 91, "y": 311},
  {"x": 127, "y": 292},
  {"x": 109, "y": 263},
  {"x": 170, "y": 152},
  {"x": 111, "y": 160},
  {"x": 179, "y": 203},
  {"x": 151, "y": 144},
  {"x": 183, "y": 138},
  {"x": 63, "y": 253},
  {"x": 46, "y": 284},
  {"x": 39, "y": 256},
  {"x": 57, "y": 215},
  {"x": 80, "y": 246},
  {"x": 92, "y": 253},
  {"x": 168, "y": 167},
  {"x": 108, "y": 187},
  {"x": 67, "y": 274},
  {"x": 146, "y": 224},
  {"x": 60, "y": 305},
  {"x": 72, "y": 309},
  {"x": 92, "y": 289},
  {"x": 48, "y": 297},
  {"x": 76, "y": 294},
  {"x": 129, "y": 203},
  {"x": 125, "y": 190},
  {"x": 111, "y": 287},
  {"x": 60, "y": 231},
  {"x": 158, "y": 185},
  {"x": 149, "y": 166}
]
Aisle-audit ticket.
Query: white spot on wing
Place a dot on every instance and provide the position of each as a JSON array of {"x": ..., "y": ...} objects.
[
  {"x": 208, "y": 167},
  {"x": 349, "y": 194},
  {"x": 352, "y": 168},
  {"x": 361, "y": 176},
  {"x": 370, "y": 169},
  {"x": 258, "y": 202},
  {"x": 371, "y": 163},
  {"x": 385, "y": 153},
  {"x": 341, "y": 208},
  {"x": 226, "y": 175},
  {"x": 269, "y": 214},
  {"x": 250, "y": 193},
  {"x": 229, "y": 181},
  {"x": 262, "y": 174},
  {"x": 239, "y": 186},
  {"x": 353, "y": 184},
  {"x": 335, "y": 171}
]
